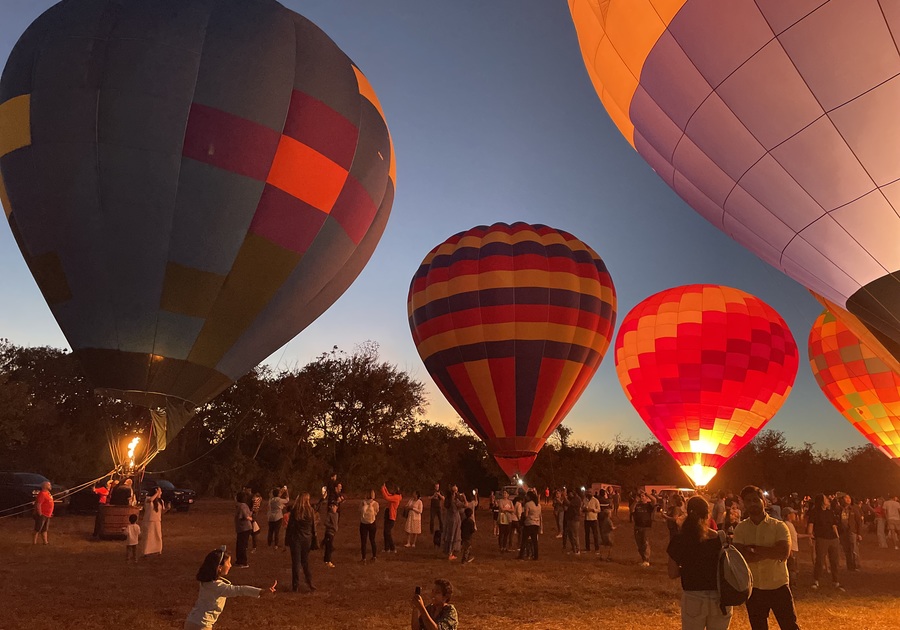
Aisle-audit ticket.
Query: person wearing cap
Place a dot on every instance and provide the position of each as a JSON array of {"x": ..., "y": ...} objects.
[{"x": 215, "y": 589}]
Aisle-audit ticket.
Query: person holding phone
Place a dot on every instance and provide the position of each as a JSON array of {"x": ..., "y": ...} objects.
[{"x": 440, "y": 614}]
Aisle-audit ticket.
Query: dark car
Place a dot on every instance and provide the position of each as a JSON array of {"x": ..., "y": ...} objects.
[
  {"x": 19, "y": 489},
  {"x": 179, "y": 498}
]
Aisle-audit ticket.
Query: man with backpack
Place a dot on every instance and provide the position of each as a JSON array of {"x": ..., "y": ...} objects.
[{"x": 765, "y": 544}]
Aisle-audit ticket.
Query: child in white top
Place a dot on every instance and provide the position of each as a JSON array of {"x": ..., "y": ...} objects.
[
  {"x": 214, "y": 589},
  {"x": 132, "y": 536}
]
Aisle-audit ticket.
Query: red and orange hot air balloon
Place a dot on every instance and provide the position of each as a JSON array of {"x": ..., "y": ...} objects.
[
  {"x": 511, "y": 322},
  {"x": 706, "y": 367},
  {"x": 857, "y": 382}
]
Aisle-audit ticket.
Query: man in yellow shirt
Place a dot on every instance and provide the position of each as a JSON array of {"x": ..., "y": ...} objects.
[{"x": 765, "y": 543}]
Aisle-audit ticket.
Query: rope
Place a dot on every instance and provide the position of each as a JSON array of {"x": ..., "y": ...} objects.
[{"x": 27, "y": 507}]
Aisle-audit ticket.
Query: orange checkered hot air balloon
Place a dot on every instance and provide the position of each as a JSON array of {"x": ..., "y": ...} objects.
[
  {"x": 859, "y": 384},
  {"x": 776, "y": 121},
  {"x": 511, "y": 322},
  {"x": 706, "y": 367}
]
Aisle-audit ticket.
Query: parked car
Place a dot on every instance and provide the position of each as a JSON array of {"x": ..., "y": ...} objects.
[
  {"x": 19, "y": 489},
  {"x": 180, "y": 499}
]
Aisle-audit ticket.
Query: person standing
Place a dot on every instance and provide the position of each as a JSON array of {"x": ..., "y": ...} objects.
[
  {"x": 154, "y": 508},
  {"x": 467, "y": 531},
  {"x": 132, "y": 538},
  {"x": 413, "y": 526},
  {"x": 572, "y": 504},
  {"x": 300, "y": 538},
  {"x": 531, "y": 522},
  {"x": 559, "y": 512},
  {"x": 255, "y": 508},
  {"x": 823, "y": 529},
  {"x": 215, "y": 589},
  {"x": 243, "y": 526},
  {"x": 390, "y": 516},
  {"x": 504, "y": 518},
  {"x": 43, "y": 512},
  {"x": 451, "y": 535},
  {"x": 434, "y": 509},
  {"x": 694, "y": 557},
  {"x": 331, "y": 527},
  {"x": 892, "y": 518},
  {"x": 591, "y": 509},
  {"x": 275, "y": 514},
  {"x": 880, "y": 521},
  {"x": 765, "y": 543},
  {"x": 368, "y": 512},
  {"x": 850, "y": 527},
  {"x": 642, "y": 517}
]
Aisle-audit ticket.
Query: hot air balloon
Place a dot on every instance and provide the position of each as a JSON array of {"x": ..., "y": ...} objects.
[
  {"x": 191, "y": 183},
  {"x": 511, "y": 322},
  {"x": 706, "y": 367},
  {"x": 861, "y": 386},
  {"x": 770, "y": 119}
]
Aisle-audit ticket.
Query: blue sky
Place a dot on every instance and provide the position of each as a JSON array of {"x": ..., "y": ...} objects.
[{"x": 494, "y": 118}]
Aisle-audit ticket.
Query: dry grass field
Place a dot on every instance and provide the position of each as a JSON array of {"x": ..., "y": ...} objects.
[{"x": 77, "y": 583}]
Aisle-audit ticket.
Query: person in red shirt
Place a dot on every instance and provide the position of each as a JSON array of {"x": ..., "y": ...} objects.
[
  {"x": 390, "y": 516},
  {"x": 43, "y": 510}
]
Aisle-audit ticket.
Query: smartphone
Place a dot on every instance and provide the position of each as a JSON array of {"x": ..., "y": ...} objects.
[{"x": 418, "y": 590}]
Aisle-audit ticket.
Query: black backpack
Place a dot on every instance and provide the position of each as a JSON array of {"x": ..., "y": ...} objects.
[{"x": 734, "y": 579}]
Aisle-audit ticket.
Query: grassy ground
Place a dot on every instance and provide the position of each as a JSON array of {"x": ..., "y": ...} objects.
[{"x": 77, "y": 583}]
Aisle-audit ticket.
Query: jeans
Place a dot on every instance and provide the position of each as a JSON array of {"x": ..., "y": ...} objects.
[
  {"x": 273, "y": 532},
  {"x": 851, "y": 550},
  {"x": 830, "y": 549},
  {"x": 780, "y": 601},
  {"x": 591, "y": 528},
  {"x": 240, "y": 548},
  {"x": 389, "y": 535},
  {"x": 530, "y": 535},
  {"x": 367, "y": 531},
  {"x": 642, "y": 539},
  {"x": 505, "y": 531},
  {"x": 571, "y": 534},
  {"x": 300, "y": 559},
  {"x": 700, "y": 611},
  {"x": 328, "y": 543},
  {"x": 435, "y": 516}
]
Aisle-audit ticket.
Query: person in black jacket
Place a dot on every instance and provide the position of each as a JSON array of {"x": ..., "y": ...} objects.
[{"x": 300, "y": 539}]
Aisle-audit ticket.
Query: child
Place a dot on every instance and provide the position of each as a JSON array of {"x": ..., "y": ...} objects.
[
  {"x": 331, "y": 526},
  {"x": 467, "y": 531},
  {"x": 606, "y": 529},
  {"x": 214, "y": 589},
  {"x": 132, "y": 536}
]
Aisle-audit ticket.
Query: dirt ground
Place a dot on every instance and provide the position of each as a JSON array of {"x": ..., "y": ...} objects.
[{"x": 79, "y": 583}]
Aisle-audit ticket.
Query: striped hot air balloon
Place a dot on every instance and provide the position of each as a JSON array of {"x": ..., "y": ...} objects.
[
  {"x": 706, "y": 367},
  {"x": 191, "y": 182},
  {"x": 511, "y": 322},
  {"x": 857, "y": 382},
  {"x": 776, "y": 120}
]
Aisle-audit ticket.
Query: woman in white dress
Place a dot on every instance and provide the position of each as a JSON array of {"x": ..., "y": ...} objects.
[
  {"x": 154, "y": 507},
  {"x": 413, "y": 520}
]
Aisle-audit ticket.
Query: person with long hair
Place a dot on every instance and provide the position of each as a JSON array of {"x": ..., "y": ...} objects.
[
  {"x": 215, "y": 589},
  {"x": 243, "y": 527},
  {"x": 154, "y": 507},
  {"x": 275, "y": 515},
  {"x": 694, "y": 557},
  {"x": 368, "y": 512},
  {"x": 823, "y": 529},
  {"x": 300, "y": 539},
  {"x": 531, "y": 524},
  {"x": 413, "y": 525}
]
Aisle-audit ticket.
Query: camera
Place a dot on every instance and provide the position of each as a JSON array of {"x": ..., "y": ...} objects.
[{"x": 418, "y": 590}]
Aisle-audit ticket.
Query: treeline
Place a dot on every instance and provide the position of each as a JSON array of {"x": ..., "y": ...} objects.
[{"x": 362, "y": 417}]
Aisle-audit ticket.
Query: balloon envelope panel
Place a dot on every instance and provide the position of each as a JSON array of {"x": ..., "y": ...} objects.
[
  {"x": 769, "y": 118},
  {"x": 706, "y": 367},
  {"x": 511, "y": 322},
  {"x": 857, "y": 382},
  {"x": 191, "y": 182}
]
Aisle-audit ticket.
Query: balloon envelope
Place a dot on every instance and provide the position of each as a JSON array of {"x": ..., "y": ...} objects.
[
  {"x": 190, "y": 182},
  {"x": 705, "y": 366},
  {"x": 511, "y": 322},
  {"x": 857, "y": 382},
  {"x": 771, "y": 120}
]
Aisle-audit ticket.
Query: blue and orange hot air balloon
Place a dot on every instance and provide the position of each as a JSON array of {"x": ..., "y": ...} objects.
[
  {"x": 857, "y": 382},
  {"x": 511, "y": 322},
  {"x": 775, "y": 120},
  {"x": 191, "y": 183},
  {"x": 706, "y": 367}
]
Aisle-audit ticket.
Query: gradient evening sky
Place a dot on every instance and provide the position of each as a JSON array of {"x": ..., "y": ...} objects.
[{"x": 494, "y": 118}]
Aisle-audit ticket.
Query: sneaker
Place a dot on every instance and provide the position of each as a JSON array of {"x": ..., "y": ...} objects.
[
  {"x": 815, "y": 586},
  {"x": 560, "y": 536},
  {"x": 363, "y": 561},
  {"x": 838, "y": 586},
  {"x": 645, "y": 564},
  {"x": 470, "y": 560},
  {"x": 452, "y": 558},
  {"x": 330, "y": 565},
  {"x": 407, "y": 545},
  {"x": 373, "y": 558}
]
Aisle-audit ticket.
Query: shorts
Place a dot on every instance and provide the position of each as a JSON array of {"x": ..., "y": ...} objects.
[{"x": 41, "y": 523}]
